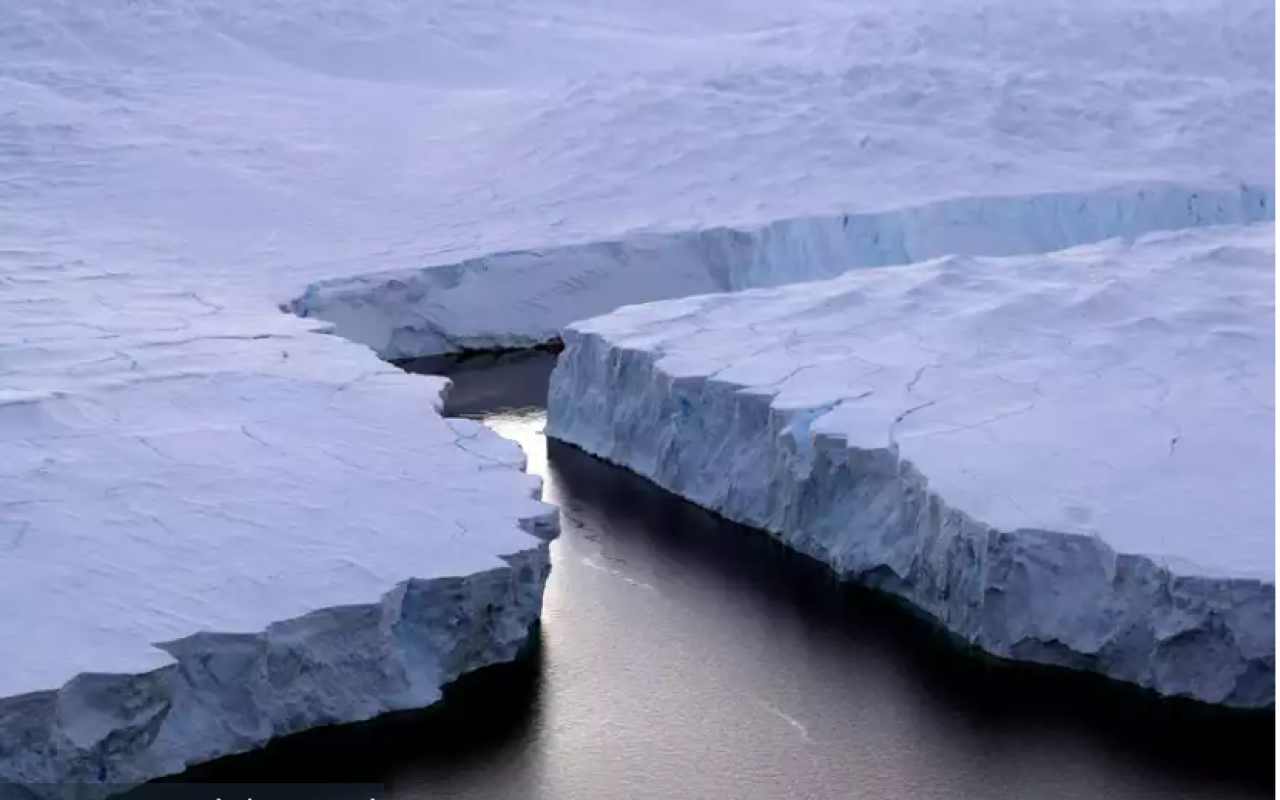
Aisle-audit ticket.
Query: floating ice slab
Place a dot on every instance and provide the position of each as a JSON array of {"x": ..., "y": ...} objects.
[
  {"x": 1065, "y": 459},
  {"x": 218, "y": 526}
]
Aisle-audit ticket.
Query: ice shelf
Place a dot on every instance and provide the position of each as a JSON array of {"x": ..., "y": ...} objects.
[
  {"x": 218, "y": 526},
  {"x": 1066, "y": 459},
  {"x": 490, "y": 172},
  {"x": 524, "y": 298}
]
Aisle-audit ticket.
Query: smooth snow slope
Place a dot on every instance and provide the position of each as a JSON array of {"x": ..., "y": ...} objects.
[
  {"x": 1065, "y": 459},
  {"x": 219, "y": 526},
  {"x": 260, "y": 147}
]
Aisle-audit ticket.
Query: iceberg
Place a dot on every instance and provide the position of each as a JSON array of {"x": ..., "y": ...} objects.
[{"x": 1065, "y": 459}]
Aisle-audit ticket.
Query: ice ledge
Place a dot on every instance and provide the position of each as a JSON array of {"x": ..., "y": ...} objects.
[
  {"x": 218, "y": 527},
  {"x": 523, "y": 298},
  {"x": 229, "y": 693},
  {"x": 879, "y": 423}
]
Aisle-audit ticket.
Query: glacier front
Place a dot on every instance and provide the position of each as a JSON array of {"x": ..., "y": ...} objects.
[{"x": 1065, "y": 459}]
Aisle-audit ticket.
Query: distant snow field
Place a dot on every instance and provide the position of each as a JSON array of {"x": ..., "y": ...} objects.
[
  {"x": 218, "y": 525},
  {"x": 1066, "y": 459}
]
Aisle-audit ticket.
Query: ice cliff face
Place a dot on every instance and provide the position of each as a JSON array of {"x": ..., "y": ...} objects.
[
  {"x": 524, "y": 298},
  {"x": 1065, "y": 459},
  {"x": 227, "y": 693}
]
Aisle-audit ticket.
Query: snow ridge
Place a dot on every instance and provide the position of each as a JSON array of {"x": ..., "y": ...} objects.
[
  {"x": 1064, "y": 459},
  {"x": 524, "y": 298}
]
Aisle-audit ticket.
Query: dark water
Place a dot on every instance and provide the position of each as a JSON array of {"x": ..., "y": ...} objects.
[{"x": 684, "y": 657}]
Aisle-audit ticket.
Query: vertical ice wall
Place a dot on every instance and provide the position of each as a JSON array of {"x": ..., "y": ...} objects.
[{"x": 519, "y": 299}]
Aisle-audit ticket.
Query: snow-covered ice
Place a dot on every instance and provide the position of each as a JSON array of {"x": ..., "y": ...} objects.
[
  {"x": 792, "y": 140},
  {"x": 218, "y": 526},
  {"x": 524, "y": 298},
  {"x": 276, "y": 144},
  {"x": 1065, "y": 458},
  {"x": 173, "y": 174}
]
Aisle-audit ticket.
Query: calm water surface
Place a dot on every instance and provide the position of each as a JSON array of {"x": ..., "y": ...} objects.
[{"x": 684, "y": 657}]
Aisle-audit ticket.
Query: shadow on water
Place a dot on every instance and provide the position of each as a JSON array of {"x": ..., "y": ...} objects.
[
  {"x": 685, "y": 656},
  {"x": 489, "y": 381}
]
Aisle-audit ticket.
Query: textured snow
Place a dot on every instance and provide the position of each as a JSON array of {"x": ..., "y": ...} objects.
[
  {"x": 178, "y": 456},
  {"x": 218, "y": 526},
  {"x": 1065, "y": 458},
  {"x": 819, "y": 137},
  {"x": 524, "y": 298},
  {"x": 267, "y": 146}
]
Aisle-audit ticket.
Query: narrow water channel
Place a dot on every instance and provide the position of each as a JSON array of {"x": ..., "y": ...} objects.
[{"x": 684, "y": 657}]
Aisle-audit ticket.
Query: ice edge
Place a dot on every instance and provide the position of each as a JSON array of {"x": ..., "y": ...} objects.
[
  {"x": 1028, "y": 595},
  {"x": 522, "y": 298},
  {"x": 228, "y": 693}
]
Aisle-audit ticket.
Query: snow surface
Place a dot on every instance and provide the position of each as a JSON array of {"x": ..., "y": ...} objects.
[
  {"x": 524, "y": 298},
  {"x": 261, "y": 146},
  {"x": 219, "y": 526},
  {"x": 174, "y": 172},
  {"x": 1065, "y": 458}
]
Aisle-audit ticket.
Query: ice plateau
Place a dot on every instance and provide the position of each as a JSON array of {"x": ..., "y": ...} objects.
[{"x": 1065, "y": 459}]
